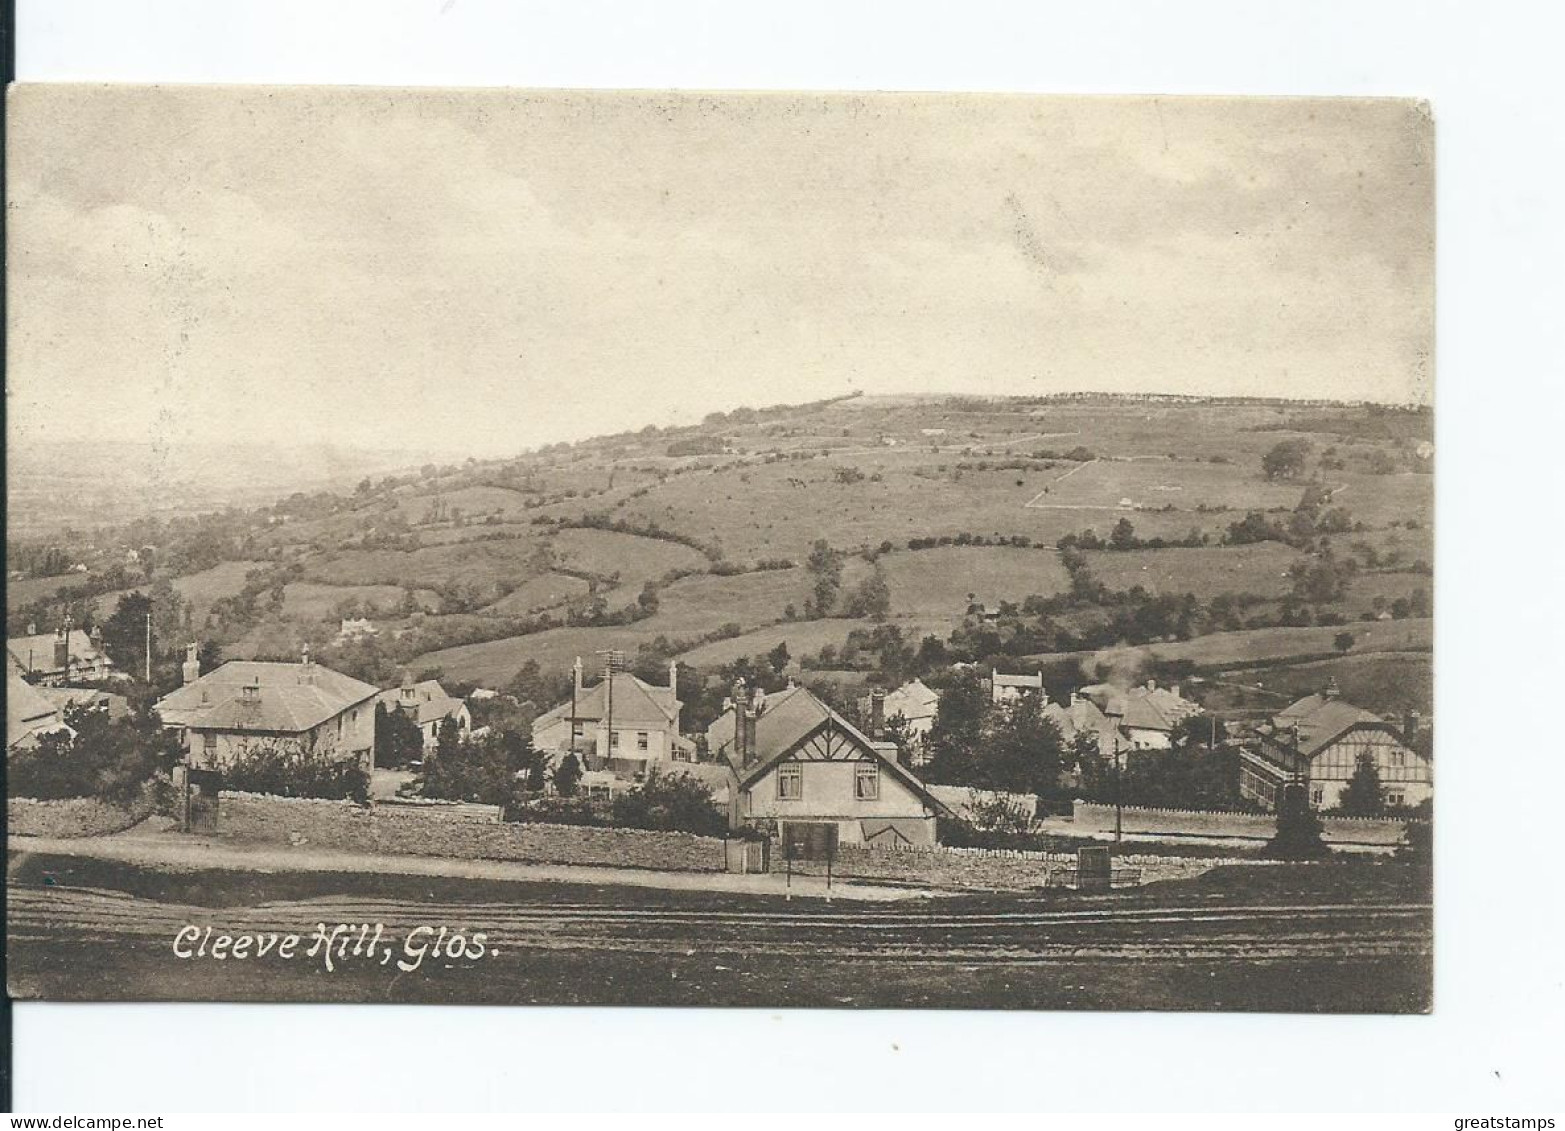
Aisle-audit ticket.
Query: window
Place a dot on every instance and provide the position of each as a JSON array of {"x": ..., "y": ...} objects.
[
  {"x": 209, "y": 741},
  {"x": 1398, "y": 758},
  {"x": 641, "y": 740},
  {"x": 613, "y": 740},
  {"x": 1394, "y": 799},
  {"x": 866, "y": 781},
  {"x": 790, "y": 782},
  {"x": 1317, "y": 794}
]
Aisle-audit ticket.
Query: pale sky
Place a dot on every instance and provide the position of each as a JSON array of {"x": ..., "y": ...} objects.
[{"x": 476, "y": 272}]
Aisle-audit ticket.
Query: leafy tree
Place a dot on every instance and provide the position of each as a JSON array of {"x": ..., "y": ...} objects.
[
  {"x": 1298, "y": 834},
  {"x": 871, "y": 599},
  {"x": 125, "y": 633},
  {"x": 99, "y": 757},
  {"x": 825, "y": 566},
  {"x": 1124, "y": 535},
  {"x": 1022, "y": 750},
  {"x": 1286, "y": 460},
  {"x": 482, "y": 770},
  {"x": 398, "y": 739},
  {"x": 958, "y": 727},
  {"x": 1343, "y": 641},
  {"x": 567, "y": 775},
  {"x": 670, "y": 802},
  {"x": 1363, "y": 796},
  {"x": 778, "y": 658}
]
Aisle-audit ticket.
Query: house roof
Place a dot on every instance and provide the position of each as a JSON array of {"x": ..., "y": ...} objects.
[
  {"x": 1146, "y": 707},
  {"x": 430, "y": 701},
  {"x": 1080, "y": 717},
  {"x": 1001, "y": 679},
  {"x": 913, "y": 700},
  {"x": 635, "y": 702},
  {"x": 1320, "y": 719},
  {"x": 790, "y": 718},
  {"x": 27, "y": 711},
  {"x": 291, "y": 698},
  {"x": 36, "y": 652}
]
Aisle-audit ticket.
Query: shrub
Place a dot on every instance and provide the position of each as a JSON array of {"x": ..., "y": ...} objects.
[
  {"x": 670, "y": 803},
  {"x": 285, "y": 769},
  {"x": 99, "y": 757}
]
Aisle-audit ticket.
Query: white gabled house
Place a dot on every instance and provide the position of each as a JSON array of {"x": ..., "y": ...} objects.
[{"x": 796, "y": 762}]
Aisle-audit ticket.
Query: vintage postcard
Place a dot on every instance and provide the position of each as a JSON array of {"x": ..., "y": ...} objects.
[{"x": 846, "y": 550}]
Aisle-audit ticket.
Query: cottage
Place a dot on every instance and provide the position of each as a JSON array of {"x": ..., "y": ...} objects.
[
  {"x": 796, "y": 762},
  {"x": 68, "y": 655},
  {"x": 29, "y": 714},
  {"x": 1079, "y": 715},
  {"x": 1005, "y": 688},
  {"x": 427, "y": 706},
  {"x": 621, "y": 723},
  {"x": 1146, "y": 715},
  {"x": 356, "y": 628},
  {"x": 1318, "y": 741},
  {"x": 245, "y": 704},
  {"x": 916, "y": 705}
]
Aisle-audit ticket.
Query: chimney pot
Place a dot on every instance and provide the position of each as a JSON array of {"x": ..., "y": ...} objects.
[{"x": 877, "y": 714}]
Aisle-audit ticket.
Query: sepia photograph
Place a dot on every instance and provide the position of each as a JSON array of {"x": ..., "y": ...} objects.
[{"x": 771, "y": 550}]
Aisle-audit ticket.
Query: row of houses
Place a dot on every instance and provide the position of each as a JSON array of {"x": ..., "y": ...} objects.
[
  {"x": 1317, "y": 740},
  {"x": 784, "y": 759}
]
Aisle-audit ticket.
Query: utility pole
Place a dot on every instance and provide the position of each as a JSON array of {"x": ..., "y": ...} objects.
[
  {"x": 1119, "y": 793},
  {"x": 149, "y": 647}
]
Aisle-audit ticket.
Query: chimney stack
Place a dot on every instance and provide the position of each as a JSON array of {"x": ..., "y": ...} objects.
[
  {"x": 306, "y": 669},
  {"x": 576, "y": 675},
  {"x": 741, "y": 701},
  {"x": 1410, "y": 725},
  {"x": 191, "y": 668},
  {"x": 877, "y": 714},
  {"x": 673, "y": 677},
  {"x": 62, "y": 648}
]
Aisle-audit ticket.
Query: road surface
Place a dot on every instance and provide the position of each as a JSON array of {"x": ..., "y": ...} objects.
[{"x": 87, "y": 929}]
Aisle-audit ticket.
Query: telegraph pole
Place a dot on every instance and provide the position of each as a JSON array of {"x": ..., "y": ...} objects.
[{"x": 149, "y": 647}]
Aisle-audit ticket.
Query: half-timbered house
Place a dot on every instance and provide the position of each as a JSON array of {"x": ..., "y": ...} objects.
[
  {"x": 796, "y": 763},
  {"x": 1318, "y": 741}
]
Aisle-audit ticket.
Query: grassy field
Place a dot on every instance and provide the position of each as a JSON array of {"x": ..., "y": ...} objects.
[
  {"x": 307, "y": 600},
  {"x": 1206, "y": 571},
  {"x": 936, "y": 582},
  {"x": 1258, "y": 645},
  {"x": 545, "y": 592},
  {"x": 1152, "y": 483},
  {"x": 1387, "y": 683},
  {"x": 201, "y": 590},
  {"x": 633, "y": 558},
  {"x": 483, "y": 565},
  {"x": 805, "y": 637}
]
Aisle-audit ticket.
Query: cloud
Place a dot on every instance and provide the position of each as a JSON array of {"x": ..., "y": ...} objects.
[{"x": 482, "y": 270}]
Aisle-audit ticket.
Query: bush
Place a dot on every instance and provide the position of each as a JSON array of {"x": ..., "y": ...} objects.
[
  {"x": 670, "y": 803},
  {"x": 105, "y": 758},
  {"x": 284, "y": 769}
]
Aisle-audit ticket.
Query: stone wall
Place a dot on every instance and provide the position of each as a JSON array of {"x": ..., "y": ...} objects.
[
  {"x": 983, "y": 868},
  {"x": 74, "y": 816},
  {"x": 1097, "y": 820},
  {"x": 457, "y": 832}
]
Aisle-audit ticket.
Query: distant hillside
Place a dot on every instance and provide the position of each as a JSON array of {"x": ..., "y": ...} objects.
[
  {"x": 702, "y": 541},
  {"x": 54, "y": 486}
]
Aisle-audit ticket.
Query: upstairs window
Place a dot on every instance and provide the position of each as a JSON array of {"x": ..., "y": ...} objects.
[
  {"x": 790, "y": 782},
  {"x": 642, "y": 740},
  {"x": 866, "y": 781},
  {"x": 209, "y": 741},
  {"x": 613, "y": 740}
]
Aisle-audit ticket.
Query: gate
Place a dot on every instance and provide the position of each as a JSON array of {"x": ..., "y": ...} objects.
[{"x": 198, "y": 790}]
